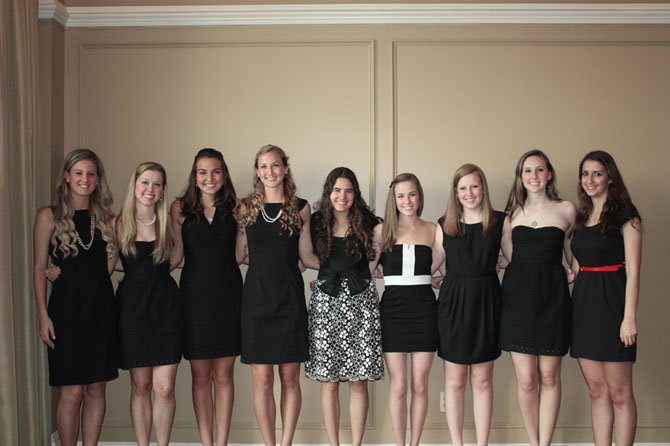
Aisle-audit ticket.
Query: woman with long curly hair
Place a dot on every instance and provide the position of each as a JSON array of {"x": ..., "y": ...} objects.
[
  {"x": 78, "y": 324},
  {"x": 607, "y": 247},
  {"x": 147, "y": 302},
  {"x": 274, "y": 315},
  {"x": 469, "y": 302},
  {"x": 344, "y": 326},
  {"x": 409, "y": 247},
  {"x": 535, "y": 318},
  {"x": 206, "y": 232}
]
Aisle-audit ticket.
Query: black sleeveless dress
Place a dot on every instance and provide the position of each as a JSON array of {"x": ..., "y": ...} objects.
[
  {"x": 274, "y": 313},
  {"x": 147, "y": 304},
  {"x": 211, "y": 287},
  {"x": 469, "y": 303},
  {"x": 81, "y": 307},
  {"x": 408, "y": 305},
  {"x": 345, "y": 341},
  {"x": 536, "y": 302},
  {"x": 599, "y": 297}
]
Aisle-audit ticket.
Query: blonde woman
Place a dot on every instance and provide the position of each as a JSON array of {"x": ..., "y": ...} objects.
[
  {"x": 274, "y": 314},
  {"x": 147, "y": 302},
  {"x": 469, "y": 303},
  {"x": 535, "y": 318},
  {"x": 409, "y": 247},
  {"x": 78, "y": 324}
]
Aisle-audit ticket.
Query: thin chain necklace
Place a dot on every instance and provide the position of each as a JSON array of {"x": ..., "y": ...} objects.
[
  {"x": 88, "y": 245},
  {"x": 147, "y": 224},
  {"x": 267, "y": 218}
]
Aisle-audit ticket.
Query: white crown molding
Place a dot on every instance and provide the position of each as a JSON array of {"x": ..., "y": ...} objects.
[{"x": 346, "y": 14}]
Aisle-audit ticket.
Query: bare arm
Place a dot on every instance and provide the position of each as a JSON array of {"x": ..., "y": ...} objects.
[
  {"x": 506, "y": 242},
  {"x": 305, "y": 248},
  {"x": 439, "y": 255},
  {"x": 376, "y": 236},
  {"x": 42, "y": 231},
  {"x": 632, "y": 240},
  {"x": 177, "y": 256},
  {"x": 571, "y": 215}
]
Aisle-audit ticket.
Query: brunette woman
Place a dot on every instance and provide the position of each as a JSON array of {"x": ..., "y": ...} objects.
[
  {"x": 147, "y": 302},
  {"x": 535, "y": 320},
  {"x": 607, "y": 248},
  {"x": 344, "y": 326},
  {"x": 78, "y": 325},
  {"x": 274, "y": 314},
  {"x": 409, "y": 249},
  {"x": 469, "y": 303},
  {"x": 205, "y": 229}
]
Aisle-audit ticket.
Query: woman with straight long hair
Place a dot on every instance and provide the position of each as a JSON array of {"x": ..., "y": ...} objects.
[
  {"x": 469, "y": 302},
  {"x": 206, "y": 232},
  {"x": 78, "y": 324},
  {"x": 147, "y": 302},
  {"x": 344, "y": 326},
  {"x": 274, "y": 314},
  {"x": 607, "y": 247},
  {"x": 535, "y": 319},
  {"x": 409, "y": 247}
]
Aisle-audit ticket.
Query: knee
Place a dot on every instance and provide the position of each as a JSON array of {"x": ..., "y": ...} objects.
[
  {"x": 482, "y": 383},
  {"x": 223, "y": 378},
  {"x": 330, "y": 388},
  {"x": 141, "y": 387},
  {"x": 456, "y": 384},
  {"x": 72, "y": 394},
  {"x": 358, "y": 387},
  {"x": 550, "y": 379},
  {"x": 263, "y": 383},
  {"x": 399, "y": 388},
  {"x": 528, "y": 383},
  {"x": 597, "y": 389},
  {"x": 289, "y": 382},
  {"x": 621, "y": 396},
  {"x": 419, "y": 388},
  {"x": 201, "y": 378},
  {"x": 164, "y": 390},
  {"x": 95, "y": 390}
]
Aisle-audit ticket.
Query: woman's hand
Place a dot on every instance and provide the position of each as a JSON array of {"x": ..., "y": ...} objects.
[
  {"x": 52, "y": 272},
  {"x": 436, "y": 281},
  {"x": 47, "y": 332},
  {"x": 628, "y": 331}
]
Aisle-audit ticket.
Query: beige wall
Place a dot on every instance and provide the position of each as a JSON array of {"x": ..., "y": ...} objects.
[{"x": 382, "y": 100}]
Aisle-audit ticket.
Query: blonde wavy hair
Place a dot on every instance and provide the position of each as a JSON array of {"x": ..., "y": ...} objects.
[
  {"x": 290, "y": 218},
  {"x": 64, "y": 236},
  {"x": 390, "y": 229},
  {"x": 127, "y": 223}
]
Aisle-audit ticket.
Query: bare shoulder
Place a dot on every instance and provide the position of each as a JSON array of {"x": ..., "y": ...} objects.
[
  {"x": 44, "y": 217},
  {"x": 176, "y": 208},
  {"x": 378, "y": 229},
  {"x": 567, "y": 208}
]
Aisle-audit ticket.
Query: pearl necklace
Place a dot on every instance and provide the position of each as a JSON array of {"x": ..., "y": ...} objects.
[
  {"x": 267, "y": 218},
  {"x": 147, "y": 224},
  {"x": 88, "y": 245}
]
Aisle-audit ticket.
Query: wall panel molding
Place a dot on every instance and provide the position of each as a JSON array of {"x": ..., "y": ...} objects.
[{"x": 347, "y": 14}]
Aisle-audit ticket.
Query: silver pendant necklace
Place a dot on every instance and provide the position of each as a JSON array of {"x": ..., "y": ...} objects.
[
  {"x": 267, "y": 218},
  {"x": 534, "y": 223},
  {"x": 88, "y": 245},
  {"x": 147, "y": 224}
]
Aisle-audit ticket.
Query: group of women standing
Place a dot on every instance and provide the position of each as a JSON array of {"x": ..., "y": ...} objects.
[{"x": 346, "y": 333}]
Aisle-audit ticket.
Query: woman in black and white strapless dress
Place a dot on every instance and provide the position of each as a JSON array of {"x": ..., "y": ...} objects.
[{"x": 408, "y": 306}]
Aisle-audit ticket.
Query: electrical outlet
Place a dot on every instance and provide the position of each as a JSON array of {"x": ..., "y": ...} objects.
[{"x": 442, "y": 409}]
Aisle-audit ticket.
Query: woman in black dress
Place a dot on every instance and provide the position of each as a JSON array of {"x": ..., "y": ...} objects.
[
  {"x": 469, "y": 302},
  {"x": 344, "y": 327},
  {"x": 274, "y": 314},
  {"x": 205, "y": 230},
  {"x": 78, "y": 325},
  {"x": 535, "y": 318},
  {"x": 147, "y": 302},
  {"x": 408, "y": 246},
  {"x": 607, "y": 246}
]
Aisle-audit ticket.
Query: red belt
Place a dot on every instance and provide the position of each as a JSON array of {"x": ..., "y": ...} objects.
[{"x": 602, "y": 269}]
